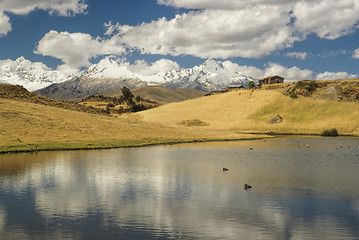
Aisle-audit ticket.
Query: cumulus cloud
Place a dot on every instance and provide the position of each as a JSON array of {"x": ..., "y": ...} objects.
[
  {"x": 299, "y": 55},
  {"x": 250, "y": 33},
  {"x": 60, "y": 7},
  {"x": 328, "y": 19},
  {"x": 144, "y": 68},
  {"x": 23, "y": 7},
  {"x": 356, "y": 53},
  {"x": 76, "y": 49},
  {"x": 5, "y": 25},
  {"x": 223, "y": 4},
  {"x": 335, "y": 75},
  {"x": 246, "y": 28},
  {"x": 290, "y": 74}
]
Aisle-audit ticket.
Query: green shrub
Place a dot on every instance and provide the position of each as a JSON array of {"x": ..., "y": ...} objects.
[
  {"x": 330, "y": 133},
  {"x": 293, "y": 95},
  {"x": 251, "y": 84}
]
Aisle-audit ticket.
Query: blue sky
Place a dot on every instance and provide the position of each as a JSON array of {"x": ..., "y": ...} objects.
[{"x": 316, "y": 39}]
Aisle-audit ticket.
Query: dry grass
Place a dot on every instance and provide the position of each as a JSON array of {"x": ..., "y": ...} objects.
[
  {"x": 24, "y": 125},
  {"x": 251, "y": 111},
  {"x": 162, "y": 95}
]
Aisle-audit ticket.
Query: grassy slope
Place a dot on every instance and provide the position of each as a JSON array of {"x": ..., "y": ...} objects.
[
  {"x": 163, "y": 95},
  {"x": 24, "y": 125},
  {"x": 250, "y": 111}
]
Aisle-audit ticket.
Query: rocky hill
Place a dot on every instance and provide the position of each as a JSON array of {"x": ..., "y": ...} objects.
[{"x": 341, "y": 90}]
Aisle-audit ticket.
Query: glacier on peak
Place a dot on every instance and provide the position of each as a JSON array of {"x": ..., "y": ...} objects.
[
  {"x": 111, "y": 68},
  {"x": 208, "y": 76},
  {"x": 31, "y": 75}
]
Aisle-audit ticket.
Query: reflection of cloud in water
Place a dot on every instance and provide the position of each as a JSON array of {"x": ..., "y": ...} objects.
[
  {"x": 2, "y": 218},
  {"x": 171, "y": 197}
]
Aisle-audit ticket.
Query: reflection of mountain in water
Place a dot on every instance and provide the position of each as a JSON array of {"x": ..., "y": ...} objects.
[{"x": 174, "y": 193}]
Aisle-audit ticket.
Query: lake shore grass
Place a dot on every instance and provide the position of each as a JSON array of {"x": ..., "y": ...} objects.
[{"x": 110, "y": 144}]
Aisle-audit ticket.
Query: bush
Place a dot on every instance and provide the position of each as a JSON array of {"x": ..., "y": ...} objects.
[
  {"x": 110, "y": 105},
  {"x": 293, "y": 95},
  {"x": 330, "y": 133},
  {"x": 251, "y": 84}
]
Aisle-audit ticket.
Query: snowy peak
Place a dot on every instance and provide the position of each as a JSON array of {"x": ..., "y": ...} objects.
[
  {"x": 108, "y": 68},
  {"x": 208, "y": 76},
  {"x": 31, "y": 75},
  {"x": 213, "y": 66}
]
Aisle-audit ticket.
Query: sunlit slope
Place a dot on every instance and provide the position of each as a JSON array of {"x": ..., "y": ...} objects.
[
  {"x": 258, "y": 110},
  {"x": 24, "y": 125}
]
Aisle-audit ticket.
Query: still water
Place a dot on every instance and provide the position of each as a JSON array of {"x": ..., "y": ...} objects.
[{"x": 180, "y": 191}]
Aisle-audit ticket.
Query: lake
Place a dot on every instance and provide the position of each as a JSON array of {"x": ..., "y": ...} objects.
[{"x": 302, "y": 188}]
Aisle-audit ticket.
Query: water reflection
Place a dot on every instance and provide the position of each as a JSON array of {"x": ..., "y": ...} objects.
[{"x": 182, "y": 192}]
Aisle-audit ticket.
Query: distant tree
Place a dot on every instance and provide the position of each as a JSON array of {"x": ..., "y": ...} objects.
[
  {"x": 251, "y": 84},
  {"x": 127, "y": 94},
  {"x": 138, "y": 99}
]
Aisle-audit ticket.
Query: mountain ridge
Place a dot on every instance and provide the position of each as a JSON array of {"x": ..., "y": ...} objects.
[
  {"x": 111, "y": 75},
  {"x": 31, "y": 75}
]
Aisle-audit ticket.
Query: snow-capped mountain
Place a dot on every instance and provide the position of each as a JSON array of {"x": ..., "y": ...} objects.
[
  {"x": 111, "y": 75},
  {"x": 109, "y": 68},
  {"x": 208, "y": 76},
  {"x": 30, "y": 75}
]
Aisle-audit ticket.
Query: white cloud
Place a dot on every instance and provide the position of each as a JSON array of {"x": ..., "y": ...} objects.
[
  {"x": 162, "y": 65},
  {"x": 335, "y": 75},
  {"x": 290, "y": 74},
  {"x": 250, "y": 33},
  {"x": 5, "y": 25},
  {"x": 23, "y": 7},
  {"x": 223, "y": 4},
  {"x": 246, "y": 28},
  {"x": 60, "y": 7},
  {"x": 76, "y": 49},
  {"x": 299, "y": 55},
  {"x": 328, "y": 19},
  {"x": 356, "y": 53}
]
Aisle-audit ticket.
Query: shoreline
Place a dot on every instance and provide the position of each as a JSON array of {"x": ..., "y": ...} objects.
[
  {"x": 130, "y": 143},
  {"x": 100, "y": 145}
]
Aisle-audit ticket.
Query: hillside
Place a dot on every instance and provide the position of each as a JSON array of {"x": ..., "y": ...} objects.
[
  {"x": 19, "y": 93},
  {"x": 29, "y": 126},
  {"x": 162, "y": 95},
  {"x": 80, "y": 87},
  {"x": 341, "y": 89},
  {"x": 267, "y": 111}
]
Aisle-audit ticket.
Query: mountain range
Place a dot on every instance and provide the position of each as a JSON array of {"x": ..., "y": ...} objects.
[
  {"x": 109, "y": 75},
  {"x": 31, "y": 75}
]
